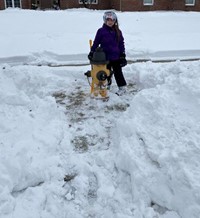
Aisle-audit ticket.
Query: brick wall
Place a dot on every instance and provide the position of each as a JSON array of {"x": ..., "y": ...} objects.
[
  {"x": 137, "y": 5},
  {"x": 123, "y": 5},
  {"x": 115, "y": 4},
  {"x": 46, "y": 4},
  {"x": 180, "y": 5},
  {"x": 26, "y": 4},
  {"x": 2, "y": 5},
  {"x": 102, "y": 4}
]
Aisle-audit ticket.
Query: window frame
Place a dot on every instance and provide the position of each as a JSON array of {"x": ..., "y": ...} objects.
[
  {"x": 94, "y": 2},
  {"x": 190, "y": 4},
  {"x": 148, "y": 4},
  {"x": 13, "y": 3}
]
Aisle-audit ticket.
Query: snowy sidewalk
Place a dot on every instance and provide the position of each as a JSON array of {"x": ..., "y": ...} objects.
[{"x": 55, "y": 60}]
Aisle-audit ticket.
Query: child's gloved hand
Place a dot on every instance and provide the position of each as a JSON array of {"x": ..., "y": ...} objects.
[
  {"x": 90, "y": 55},
  {"x": 123, "y": 61}
]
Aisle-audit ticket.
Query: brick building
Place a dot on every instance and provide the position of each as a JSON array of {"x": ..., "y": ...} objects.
[{"x": 120, "y": 5}]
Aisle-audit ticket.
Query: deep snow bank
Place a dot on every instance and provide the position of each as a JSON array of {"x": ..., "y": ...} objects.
[
  {"x": 158, "y": 138},
  {"x": 31, "y": 129}
]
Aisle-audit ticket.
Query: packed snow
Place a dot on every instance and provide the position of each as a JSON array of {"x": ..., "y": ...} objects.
[{"x": 65, "y": 155}]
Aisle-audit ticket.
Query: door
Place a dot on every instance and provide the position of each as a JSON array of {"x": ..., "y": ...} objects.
[{"x": 13, "y": 3}]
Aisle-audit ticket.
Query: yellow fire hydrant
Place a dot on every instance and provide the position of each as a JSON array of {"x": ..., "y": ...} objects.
[{"x": 99, "y": 74}]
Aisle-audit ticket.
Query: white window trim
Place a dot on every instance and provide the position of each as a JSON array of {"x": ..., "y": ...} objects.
[
  {"x": 5, "y": 3},
  {"x": 193, "y": 4},
  {"x": 148, "y": 3},
  {"x": 13, "y": 3},
  {"x": 88, "y": 2}
]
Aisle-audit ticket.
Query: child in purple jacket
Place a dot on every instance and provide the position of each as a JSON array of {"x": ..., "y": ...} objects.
[{"x": 109, "y": 37}]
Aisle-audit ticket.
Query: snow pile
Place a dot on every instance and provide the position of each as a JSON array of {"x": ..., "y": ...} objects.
[
  {"x": 31, "y": 131},
  {"x": 158, "y": 138}
]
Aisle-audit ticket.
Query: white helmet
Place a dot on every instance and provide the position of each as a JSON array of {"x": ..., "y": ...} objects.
[{"x": 109, "y": 14}]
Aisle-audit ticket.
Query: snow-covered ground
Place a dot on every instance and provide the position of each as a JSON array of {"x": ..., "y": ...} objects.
[
  {"x": 65, "y": 155},
  {"x": 61, "y": 37}
]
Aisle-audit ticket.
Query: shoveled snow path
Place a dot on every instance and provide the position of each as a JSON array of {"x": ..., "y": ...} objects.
[{"x": 106, "y": 190}]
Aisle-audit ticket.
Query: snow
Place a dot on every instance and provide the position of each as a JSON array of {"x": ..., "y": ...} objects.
[{"x": 63, "y": 154}]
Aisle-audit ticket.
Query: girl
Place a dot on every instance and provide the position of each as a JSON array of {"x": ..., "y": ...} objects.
[{"x": 111, "y": 40}]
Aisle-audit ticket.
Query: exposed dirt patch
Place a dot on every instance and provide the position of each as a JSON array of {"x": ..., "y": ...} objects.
[{"x": 117, "y": 107}]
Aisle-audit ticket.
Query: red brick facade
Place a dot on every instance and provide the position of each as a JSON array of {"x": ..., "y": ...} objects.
[
  {"x": 137, "y": 5},
  {"x": 120, "y": 5},
  {"x": 26, "y": 4},
  {"x": 2, "y": 4},
  {"x": 102, "y": 4}
]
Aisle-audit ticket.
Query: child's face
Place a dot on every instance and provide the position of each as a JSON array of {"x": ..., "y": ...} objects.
[{"x": 110, "y": 22}]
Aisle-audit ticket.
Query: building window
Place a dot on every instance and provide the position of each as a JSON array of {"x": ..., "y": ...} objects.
[
  {"x": 13, "y": 3},
  {"x": 190, "y": 2},
  {"x": 148, "y": 2},
  {"x": 88, "y": 1}
]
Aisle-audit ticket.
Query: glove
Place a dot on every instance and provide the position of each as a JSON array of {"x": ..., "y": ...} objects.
[
  {"x": 123, "y": 61},
  {"x": 90, "y": 55}
]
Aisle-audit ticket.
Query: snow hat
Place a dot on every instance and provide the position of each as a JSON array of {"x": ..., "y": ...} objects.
[{"x": 109, "y": 15}]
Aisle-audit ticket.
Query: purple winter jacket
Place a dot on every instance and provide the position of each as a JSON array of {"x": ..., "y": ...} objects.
[{"x": 106, "y": 37}]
